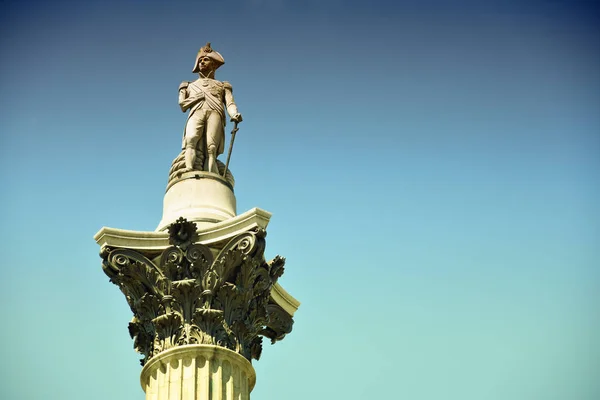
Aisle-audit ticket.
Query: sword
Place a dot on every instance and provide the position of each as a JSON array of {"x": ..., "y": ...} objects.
[{"x": 233, "y": 132}]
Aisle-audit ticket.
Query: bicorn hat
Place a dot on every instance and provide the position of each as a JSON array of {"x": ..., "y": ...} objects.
[{"x": 207, "y": 51}]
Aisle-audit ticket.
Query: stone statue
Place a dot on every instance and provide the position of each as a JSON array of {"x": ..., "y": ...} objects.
[{"x": 206, "y": 98}]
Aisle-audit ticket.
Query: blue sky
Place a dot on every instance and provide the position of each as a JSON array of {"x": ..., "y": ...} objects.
[{"x": 432, "y": 169}]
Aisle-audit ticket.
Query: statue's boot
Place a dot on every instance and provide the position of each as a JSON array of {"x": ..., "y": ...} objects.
[
  {"x": 211, "y": 165},
  {"x": 190, "y": 158}
]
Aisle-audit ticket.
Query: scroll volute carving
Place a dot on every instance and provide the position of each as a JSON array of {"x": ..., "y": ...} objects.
[{"x": 191, "y": 297}]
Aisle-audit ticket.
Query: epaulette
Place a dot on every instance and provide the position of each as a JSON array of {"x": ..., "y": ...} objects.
[
  {"x": 227, "y": 85},
  {"x": 184, "y": 85}
]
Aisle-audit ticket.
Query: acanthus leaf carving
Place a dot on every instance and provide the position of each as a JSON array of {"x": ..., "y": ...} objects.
[{"x": 192, "y": 297}]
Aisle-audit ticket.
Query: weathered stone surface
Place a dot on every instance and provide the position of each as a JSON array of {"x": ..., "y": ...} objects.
[
  {"x": 178, "y": 170},
  {"x": 202, "y": 197},
  {"x": 194, "y": 294},
  {"x": 207, "y": 99},
  {"x": 152, "y": 244},
  {"x": 212, "y": 234},
  {"x": 198, "y": 372}
]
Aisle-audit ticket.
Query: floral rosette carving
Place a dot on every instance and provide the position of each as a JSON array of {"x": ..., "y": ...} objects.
[{"x": 189, "y": 296}]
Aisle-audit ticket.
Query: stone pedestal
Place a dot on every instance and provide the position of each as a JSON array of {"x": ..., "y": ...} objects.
[
  {"x": 201, "y": 197},
  {"x": 198, "y": 372}
]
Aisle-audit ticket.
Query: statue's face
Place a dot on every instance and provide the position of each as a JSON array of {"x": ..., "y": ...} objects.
[{"x": 206, "y": 64}]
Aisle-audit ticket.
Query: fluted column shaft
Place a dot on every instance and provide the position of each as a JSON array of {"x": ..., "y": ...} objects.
[{"x": 198, "y": 372}]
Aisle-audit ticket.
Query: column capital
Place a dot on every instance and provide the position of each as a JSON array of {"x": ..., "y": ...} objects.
[{"x": 192, "y": 293}]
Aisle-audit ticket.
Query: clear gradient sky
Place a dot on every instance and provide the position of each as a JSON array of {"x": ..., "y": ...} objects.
[{"x": 433, "y": 170}]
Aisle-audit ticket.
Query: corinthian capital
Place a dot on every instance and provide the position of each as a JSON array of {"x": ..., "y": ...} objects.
[{"x": 191, "y": 293}]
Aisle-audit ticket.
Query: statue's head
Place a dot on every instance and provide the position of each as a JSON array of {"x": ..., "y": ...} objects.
[{"x": 207, "y": 60}]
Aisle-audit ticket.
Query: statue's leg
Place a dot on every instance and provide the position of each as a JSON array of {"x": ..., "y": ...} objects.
[
  {"x": 214, "y": 136},
  {"x": 193, "y": 133}
]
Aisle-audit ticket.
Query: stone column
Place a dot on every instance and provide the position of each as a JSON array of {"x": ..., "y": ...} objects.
[
  {"x": 199, "y": 311},
  {"x": 198, "y": 372}
]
